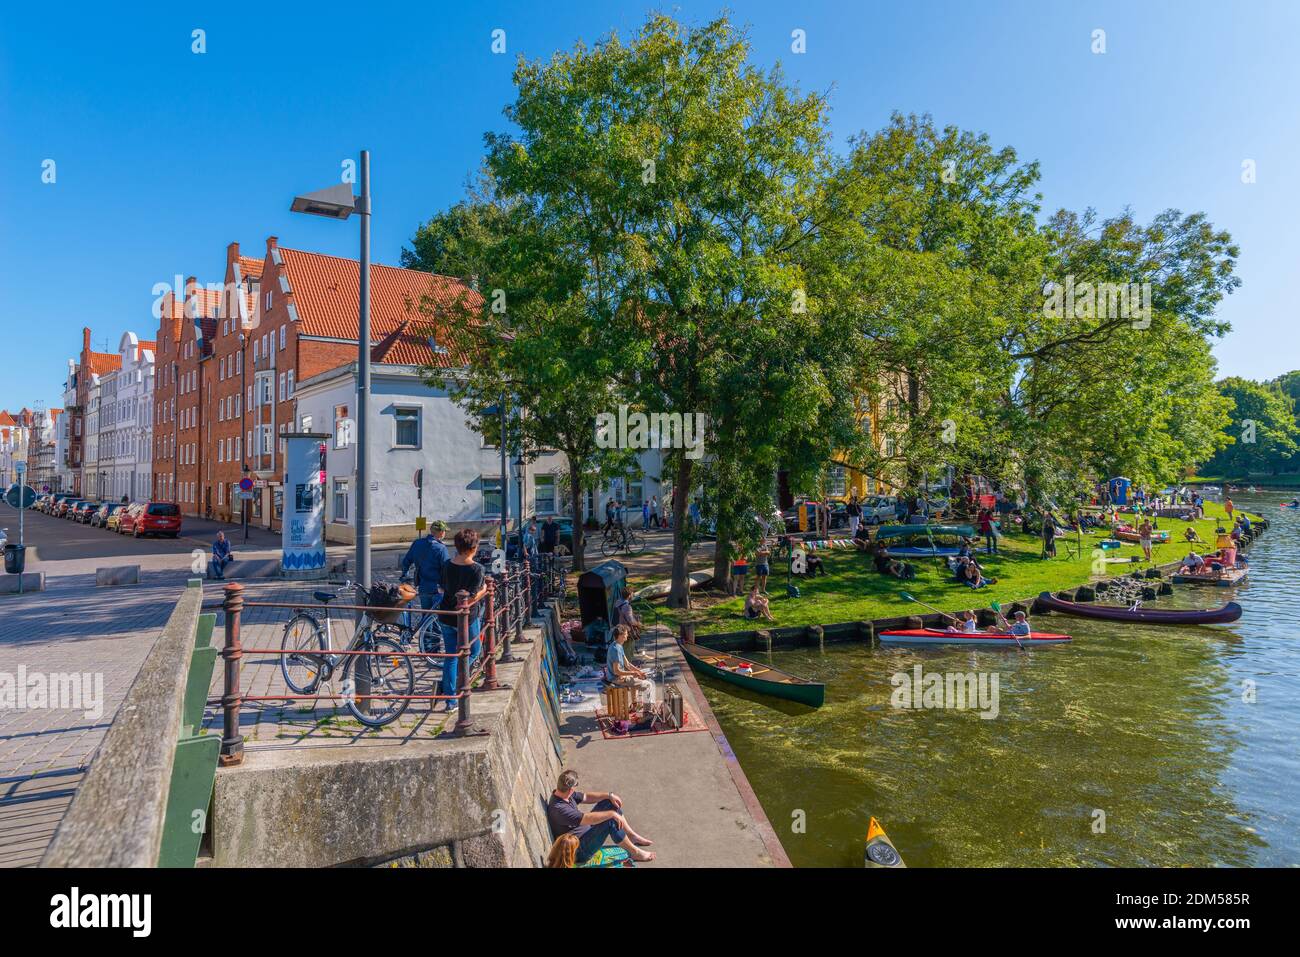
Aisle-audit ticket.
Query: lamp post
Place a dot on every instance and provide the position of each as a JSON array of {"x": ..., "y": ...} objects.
[{"x": 337, "y": 202}]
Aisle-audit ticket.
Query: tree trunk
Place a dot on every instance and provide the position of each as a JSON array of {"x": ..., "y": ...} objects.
[
  {"x": 575, "y": 489},
  {"x": 722, "y": 552},
  {"x": 680, "y": 594}
]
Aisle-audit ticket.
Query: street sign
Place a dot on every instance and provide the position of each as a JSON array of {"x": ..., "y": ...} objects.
[
  {"x": 20, "y": 496},
  {"x": 45, "y": 488},
  {"x": 20, "y": 467},
  {"x": 246, "y": 484},
  {"x": 244, "y": 496}
]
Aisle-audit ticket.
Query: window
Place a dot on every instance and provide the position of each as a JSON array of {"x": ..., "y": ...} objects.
[
  {"x": 340, "y": 500},
  {"x": 288, "y": 378},
  {"x": 306, "y": 424},
  {"x": 255, "y": 344},
  {"x": 281, "y": 385},
  {"x": 835, "y": 480},
  {"x": 544, "y": 494},
  {"x": 406, "y": 428},
  {"x": 266, "y": 440},
  {"x": 268, "y": 306},
  {"x": 282, "y": 328},
  {"x": 491, "y": 496}
]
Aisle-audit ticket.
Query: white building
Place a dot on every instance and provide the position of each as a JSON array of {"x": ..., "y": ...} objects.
[
  {"x": 125, "y": 445},
  {"x": 413, "y": 426}
]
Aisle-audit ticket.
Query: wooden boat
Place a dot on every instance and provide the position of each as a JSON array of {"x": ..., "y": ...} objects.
[
  {"x": 879, "y": 850},
  {"x": 698, "y": 579},
  {"x": 1224, "y": 579},
  {"x": 937, "y": 636},
  {"x": 1147, "y": 616},
  {"x": 761, "y": 678}
]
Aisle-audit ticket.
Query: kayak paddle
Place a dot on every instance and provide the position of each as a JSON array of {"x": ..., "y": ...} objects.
[{"x": 931, "y": 607}]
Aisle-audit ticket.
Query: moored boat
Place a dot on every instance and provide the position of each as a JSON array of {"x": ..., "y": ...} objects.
[
  {"x": 937, "y": 636},
  {"x": 753, "y": 675},
  {"x": 1133, "y": 535},
  {"x": 879, "y": 850},
  {"x": 1223, "y": 579},
  {"x": 1148, "y": 616}
]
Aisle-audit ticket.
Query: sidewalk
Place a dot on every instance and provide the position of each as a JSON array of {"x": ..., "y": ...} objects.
[{"x": 684, "y": 791}]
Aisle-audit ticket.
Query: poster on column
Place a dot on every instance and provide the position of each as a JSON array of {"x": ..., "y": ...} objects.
[{"x": 303, "y": 531}]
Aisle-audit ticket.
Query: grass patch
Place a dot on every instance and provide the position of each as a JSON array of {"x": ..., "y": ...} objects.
[{"x": 851, "y": 590}]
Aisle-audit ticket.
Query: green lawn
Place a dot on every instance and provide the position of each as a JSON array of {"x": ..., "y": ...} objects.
[{"x": 851, "y": 590}]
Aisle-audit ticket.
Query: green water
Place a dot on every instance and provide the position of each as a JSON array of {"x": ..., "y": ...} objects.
[{"x": 1151, "y": 726}]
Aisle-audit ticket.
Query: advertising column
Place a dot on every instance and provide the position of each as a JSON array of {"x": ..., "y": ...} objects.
[{"x": 303, "y": 524}]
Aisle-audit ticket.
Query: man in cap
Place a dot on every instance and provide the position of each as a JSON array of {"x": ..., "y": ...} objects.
[{"x": 428, "y": 554}]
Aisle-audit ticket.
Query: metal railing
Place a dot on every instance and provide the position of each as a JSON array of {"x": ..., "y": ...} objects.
[{"x": 508, "y": 600}]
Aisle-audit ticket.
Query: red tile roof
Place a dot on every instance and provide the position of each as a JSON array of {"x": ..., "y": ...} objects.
[
  {"x": 326, "y": 288},
  {"x": 6, "y": 418},
  {"x": 409, "y": 345},
  {"x": 104, "y": 362}
]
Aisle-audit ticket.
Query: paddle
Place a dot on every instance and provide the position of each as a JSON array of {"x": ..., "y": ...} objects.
[
  {"x": 931, "y": 607},
  {"x": 997, "y": 609}
]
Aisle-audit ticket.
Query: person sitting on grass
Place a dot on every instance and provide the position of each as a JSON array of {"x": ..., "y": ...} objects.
[
  {"x": 622, "y": 673},
  {"x": 973, "y": 576},
  {"x": 756, "y": 605},
  {"x": 1191, "y": 536},
  {"x": 887, "y": 565},
  {"x": 815, "y": 566},
  {"x": 592, "y": 828},
  {"x": 862, "y": 538}
]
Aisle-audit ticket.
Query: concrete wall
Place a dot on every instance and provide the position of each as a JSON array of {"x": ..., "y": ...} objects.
[{"x": 472, "y": 801}]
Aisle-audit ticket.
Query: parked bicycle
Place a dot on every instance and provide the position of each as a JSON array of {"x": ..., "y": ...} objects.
[
  {"x": 620, "y": 538},
  {"x": 309, "y": 663}
]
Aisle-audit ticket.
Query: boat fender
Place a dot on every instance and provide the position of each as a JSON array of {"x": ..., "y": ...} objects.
[
  {"x": 1148, "y": 594},
  {"x": 1085, "y": 593},
  {"x": 1165, "y": 589}
]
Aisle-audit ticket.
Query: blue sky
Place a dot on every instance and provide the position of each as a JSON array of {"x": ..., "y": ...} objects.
[{"x": 164, "y": 156}]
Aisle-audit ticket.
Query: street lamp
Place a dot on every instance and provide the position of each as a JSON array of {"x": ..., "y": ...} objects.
[{"x": 337, "y": 202}]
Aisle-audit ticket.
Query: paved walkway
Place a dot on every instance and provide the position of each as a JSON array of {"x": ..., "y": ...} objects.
[
  {"x": 684, "y": 790},
  {"x": 68, "y": 629}
]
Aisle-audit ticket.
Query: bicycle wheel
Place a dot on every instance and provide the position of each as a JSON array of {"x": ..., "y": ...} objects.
[
  {"x": 387, "y": 676},
  {"x": 610, "y": 546},
  {"x": 302, "y": 671},
  {"x": 636, "y": 543}
]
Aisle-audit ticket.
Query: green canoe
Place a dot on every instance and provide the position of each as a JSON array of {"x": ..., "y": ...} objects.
[{"x": 763, "y": 678}]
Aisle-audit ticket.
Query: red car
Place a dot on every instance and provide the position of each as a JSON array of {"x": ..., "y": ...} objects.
[{"x": 156, "y": 518}]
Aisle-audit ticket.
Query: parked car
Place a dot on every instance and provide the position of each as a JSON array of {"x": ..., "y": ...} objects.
[
  {"x": 84, "y": 511},
  {"x": 69, "y": 508},
  {"x": 52, "y": 503},
  {"x": 157, "y": 518},
  {"x": 126, "y": 518},
  {"x": 115, "y": 518},
  {"x": 103, "y": 513}
]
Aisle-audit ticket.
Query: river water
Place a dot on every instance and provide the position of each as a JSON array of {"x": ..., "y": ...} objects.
[{"x": 1131, "y": 746}]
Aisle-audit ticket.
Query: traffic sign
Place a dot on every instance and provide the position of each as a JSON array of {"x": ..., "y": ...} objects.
[
  {"x": 45, "y": 488},
  {"x": 20, "y": 467},
  {"x": 246, "y": 484},
  {"x": 20, "y": 496}
]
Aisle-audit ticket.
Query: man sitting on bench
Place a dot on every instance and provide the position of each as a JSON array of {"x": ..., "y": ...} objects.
[{"x": 604, "y": 820}]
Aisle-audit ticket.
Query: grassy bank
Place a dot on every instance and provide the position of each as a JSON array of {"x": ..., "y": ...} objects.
[{"x": 851, "y": 590}]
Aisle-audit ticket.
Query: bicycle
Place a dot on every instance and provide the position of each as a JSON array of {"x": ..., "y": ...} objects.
[
  {"x": 308, "y": 641},
  {"x": 623, "y": 539}
]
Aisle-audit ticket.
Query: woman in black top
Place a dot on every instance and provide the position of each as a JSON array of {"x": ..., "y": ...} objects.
[{"x": 459, "y": 574}]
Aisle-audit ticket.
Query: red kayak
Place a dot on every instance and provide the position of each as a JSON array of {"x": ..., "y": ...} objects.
[{"x": 937, "y": 636}]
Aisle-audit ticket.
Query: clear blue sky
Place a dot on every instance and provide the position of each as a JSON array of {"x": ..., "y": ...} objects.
[{"x": 164, "y": 156}]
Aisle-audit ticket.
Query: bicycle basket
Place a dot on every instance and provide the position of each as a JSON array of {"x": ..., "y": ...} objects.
[{"x": 384, "y": 604}]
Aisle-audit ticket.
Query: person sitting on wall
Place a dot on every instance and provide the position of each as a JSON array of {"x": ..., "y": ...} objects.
[
  {"x": 221, "y": 556},
  {"x": 604, "y": 821}
]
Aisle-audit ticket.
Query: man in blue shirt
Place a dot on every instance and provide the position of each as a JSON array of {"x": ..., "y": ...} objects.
[
  {"x": 428, "y": 555},
  {"x": 221, "y": 556}
]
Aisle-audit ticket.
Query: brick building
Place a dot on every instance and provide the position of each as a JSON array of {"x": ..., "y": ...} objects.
[
  {"x": 91, "y": 365},
  {"x": 238, "y": 352}
]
